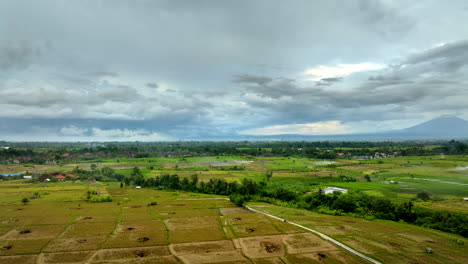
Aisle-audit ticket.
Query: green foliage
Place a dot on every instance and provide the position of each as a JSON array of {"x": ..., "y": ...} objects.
[
  {"x": 238, "y": 199},
  {"x": 423, "y": 196},
  {"x": 25, "y": 200},
  {"x": 97, "y": 199}
]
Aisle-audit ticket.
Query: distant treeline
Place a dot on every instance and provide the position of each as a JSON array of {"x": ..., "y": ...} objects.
[
  {"x": 354, "y": 203},
  {"x": 40, "y": 153}
]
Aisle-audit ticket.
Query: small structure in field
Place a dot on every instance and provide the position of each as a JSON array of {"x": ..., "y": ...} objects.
[
  {"x": 429, "y": 250},
  {"x": 138, "y": 187},
  {"x": 60, "y": 178},
  {"x": 334, "y": 189},
  {"x": 27, "y": 177},
  {"x": 465, "y": 199}
]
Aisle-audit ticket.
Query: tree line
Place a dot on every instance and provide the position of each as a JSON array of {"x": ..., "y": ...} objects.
[{"x": 354, "y": 203}]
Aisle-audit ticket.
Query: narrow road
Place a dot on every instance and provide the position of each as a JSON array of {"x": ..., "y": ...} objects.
[
  {"x": 325, "y": 237},
  {"x": 352, "y": 251}
]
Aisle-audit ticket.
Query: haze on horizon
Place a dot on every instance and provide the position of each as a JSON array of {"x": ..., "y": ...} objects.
[{"x": 114, "y": 70}]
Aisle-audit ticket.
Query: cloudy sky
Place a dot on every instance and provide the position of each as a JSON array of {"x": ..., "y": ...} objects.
[{"x": 186, "y": 70}]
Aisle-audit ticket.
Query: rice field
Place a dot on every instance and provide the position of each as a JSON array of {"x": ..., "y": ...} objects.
[{"x": 178, "y": 228}]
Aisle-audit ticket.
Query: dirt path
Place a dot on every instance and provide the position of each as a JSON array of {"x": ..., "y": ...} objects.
[{"x": 325, "y": 237}]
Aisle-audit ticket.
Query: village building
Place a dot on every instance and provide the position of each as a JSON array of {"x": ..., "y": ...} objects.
[
  {"x": 334, "y": 189},
  {"x": 60, "y": 178}
]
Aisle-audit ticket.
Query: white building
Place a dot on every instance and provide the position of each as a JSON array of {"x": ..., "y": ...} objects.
[
  {"x": 27, "y": 177},
  {"x": 334, "y": 189}
]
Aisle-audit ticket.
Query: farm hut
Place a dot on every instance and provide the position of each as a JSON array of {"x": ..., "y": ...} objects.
[
  {"x": 465, "y": 199},
  {"x": 27, "y": 177},
  {"x": 60, "y": 178},
  {"x": 138, "y": 187}
]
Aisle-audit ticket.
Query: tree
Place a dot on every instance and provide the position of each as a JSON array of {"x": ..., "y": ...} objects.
[
  {"x": 268, "y": 175},
  {"x": 367, "y": 177},
  {"x": 423, "y": 196},
  {"x": 25, "y": 200},
  {"x": 121, "y": 185}
]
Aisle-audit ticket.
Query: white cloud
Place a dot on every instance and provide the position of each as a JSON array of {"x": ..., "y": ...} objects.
[
  {"x": 73, "y": 130},
  {"x": 318, "y": 128},
  {"x": 341, "y": 70},
  {"x": 126, "y": 135}
]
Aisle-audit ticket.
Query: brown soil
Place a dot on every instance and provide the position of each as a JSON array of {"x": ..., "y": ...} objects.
[
  {"x": 81, "y": 240},
  {"x": 321, "y": 255},
  {"x": 135, "y": 206},
  {"x": 270, "y": 247},
  {"x": 130, "y": 228},
  {"x": 141, "y": 254},
  {"x": 26, "y": 231},
  {"x": 87, "y": 218},
  {"x": 178, "y": 205},
  {"x": 340, "y": 227},
  {"x": 237, "y": 219},
  {"x": 19, "y": 209},
  {"x": 429, "y": 241},
  {"x": 142, "y": 239}
]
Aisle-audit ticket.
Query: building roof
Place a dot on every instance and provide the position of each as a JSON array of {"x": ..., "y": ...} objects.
[{"x": 60, "y": 177}]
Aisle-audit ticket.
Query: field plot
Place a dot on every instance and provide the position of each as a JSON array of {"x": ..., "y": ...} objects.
[
  {"x": 177, "y": 228},
  {"x": 386, "y": 241}
]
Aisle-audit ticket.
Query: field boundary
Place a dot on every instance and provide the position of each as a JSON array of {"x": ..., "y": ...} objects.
[{"x": 325, "y": 237}]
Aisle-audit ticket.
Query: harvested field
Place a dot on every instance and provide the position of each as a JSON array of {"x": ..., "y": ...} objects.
[
  {"x": 199, "y": 234},
  {"x": 234, "y": 211},
  {"x": 262, "y": 246},
  {"x": 202, "y": 247},
  {"x": 23, "y": 259},
  {"x": 379, "y": 239},
  {"x": 22, "y": 246},
  {"x": 67, "y": 257},
  {"x": 306, "y": 242},
  {"x": 46, "y": 231},
  {"x": 89, "y": 230},
  {"x": 192, "y": 223},
  {"x": 130, "y": 253},
  {"x": 252, "y": 230},
  {"x": 76, "y": 243}
]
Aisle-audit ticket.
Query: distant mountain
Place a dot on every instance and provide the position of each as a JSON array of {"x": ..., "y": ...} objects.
[
  {"x": 440, "y": 126},
  {"x": 443, "y": 127}
]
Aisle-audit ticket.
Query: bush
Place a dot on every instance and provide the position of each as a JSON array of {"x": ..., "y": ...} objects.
[
  {"x": 25, "y": 200},
  {"x": 100, "y": 199},
  {"x": 238, "y": 199}
]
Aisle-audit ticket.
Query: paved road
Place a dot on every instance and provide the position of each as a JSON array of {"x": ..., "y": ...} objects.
[{"x": 352, "y": 251}]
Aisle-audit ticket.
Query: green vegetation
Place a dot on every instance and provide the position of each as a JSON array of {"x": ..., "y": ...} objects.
[{"x": 422, "y": 183}]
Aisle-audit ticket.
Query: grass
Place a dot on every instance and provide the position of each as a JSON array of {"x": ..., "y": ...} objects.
[{"x": 386, "y": 241}]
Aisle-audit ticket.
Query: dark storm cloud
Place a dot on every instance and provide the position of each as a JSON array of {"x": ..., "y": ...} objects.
[
  {"x": 221, "y": 66},
  {"x": 20, "y": 54},
  {"x": 152, "y": 85},
  {"x": 247, "y": 78},
  {"x": 393, "y": 88}
]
